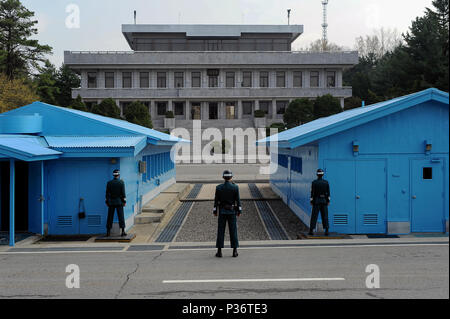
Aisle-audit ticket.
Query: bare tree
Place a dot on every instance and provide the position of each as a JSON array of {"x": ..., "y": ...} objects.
[{"x": 379, "y": 43}]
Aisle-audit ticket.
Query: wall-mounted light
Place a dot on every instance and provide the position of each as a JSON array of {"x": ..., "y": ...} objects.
[
  {"x": 355, "y": 148},
  {"x": 113, "y": 161},
  {"x": 428, "y": 146}
]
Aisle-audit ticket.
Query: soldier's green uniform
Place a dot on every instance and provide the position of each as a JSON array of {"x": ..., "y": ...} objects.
[
  {"x": 115, "y": 200},
  {"x": 227, "y": 204},
  {"x": 320, "y": 198}
]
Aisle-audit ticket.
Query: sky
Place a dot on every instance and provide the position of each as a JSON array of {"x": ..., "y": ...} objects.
[{"x": 100, "y": 21}]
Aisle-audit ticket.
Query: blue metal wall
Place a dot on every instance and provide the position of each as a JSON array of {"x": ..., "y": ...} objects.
[{"x": 381, "y": 189}]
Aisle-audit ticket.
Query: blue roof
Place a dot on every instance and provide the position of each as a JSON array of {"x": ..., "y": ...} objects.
[
  {"x": 327, "y": 126},
  {"x": 26, "y": 148},
  {"x": 85, "y": 143},
  {"x": 94, "y": 141},
  {"x": 154, "y": 137}
]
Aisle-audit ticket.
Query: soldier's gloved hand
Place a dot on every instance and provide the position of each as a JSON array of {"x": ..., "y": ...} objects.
[{"x": 215, "y": 214}]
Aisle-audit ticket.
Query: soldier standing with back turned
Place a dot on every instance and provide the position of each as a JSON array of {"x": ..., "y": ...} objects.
[
  {"x": 115, "y": 200},
  {"x": 320, "y": 200},
  {"x": 227, "y": 205}
]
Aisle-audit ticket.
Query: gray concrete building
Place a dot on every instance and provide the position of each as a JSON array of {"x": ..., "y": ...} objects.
[{"x": 220, "y": 74}]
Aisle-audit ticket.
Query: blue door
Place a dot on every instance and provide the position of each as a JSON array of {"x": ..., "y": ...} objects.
[
  {"x": 62, "y": 199},
  {"x": 370, "y": 197},
  {"x": 341, "y": 212},
  {"x": 92, "y": 177},
  {"x": 427, "y": 195},
  {"x": 35, "y": 192},
  {"x": 76, "y": 186}
]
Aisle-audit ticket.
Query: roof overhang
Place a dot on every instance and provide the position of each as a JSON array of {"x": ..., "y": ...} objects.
[{"x": 24, "y": 150}]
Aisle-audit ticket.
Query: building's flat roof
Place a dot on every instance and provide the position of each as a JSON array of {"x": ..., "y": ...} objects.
[{"x": 211, "y": 30}]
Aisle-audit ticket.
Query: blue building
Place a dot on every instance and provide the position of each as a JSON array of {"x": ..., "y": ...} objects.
[
  {"x": 55, "y": 162},
  {"x": 387, "y": 165}
]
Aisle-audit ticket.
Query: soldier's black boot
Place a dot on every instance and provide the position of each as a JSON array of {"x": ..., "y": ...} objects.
[
  {"x": 235, "y": 253},
  {"x": 108, "y": 232},
  {"x": 326, "y": 232},
  {"x": 311, "y": 233},
  {"x": 123, "y": 232},
  {"x": 219, "y": 253}
]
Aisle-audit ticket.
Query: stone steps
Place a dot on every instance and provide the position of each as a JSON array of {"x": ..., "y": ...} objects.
[{"x": 162, "y": 205}]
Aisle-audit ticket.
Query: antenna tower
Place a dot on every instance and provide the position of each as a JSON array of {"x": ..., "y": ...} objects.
[{"x": 325, "y": 24}]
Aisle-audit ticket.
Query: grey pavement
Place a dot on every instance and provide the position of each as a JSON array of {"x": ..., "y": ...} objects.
[
  {"x": 212, "y": 173},
  {"x": 409, "y": 268}
]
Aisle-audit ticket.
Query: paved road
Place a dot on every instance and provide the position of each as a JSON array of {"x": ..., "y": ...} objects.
[{"x": 416, "y": 270}]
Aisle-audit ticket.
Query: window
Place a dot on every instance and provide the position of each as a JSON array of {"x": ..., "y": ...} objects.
[
  {"x": 427, "y": 173},
  {"x": 230, "y": 110},
  {"x": 314, "y": 79},
  {"x": 126, "y": 79},
  {"x": 298, "y": 83},
  {"x": 297, "y": 164},
  {"x": 179, "y": 108},
  {"x": 247, "y": 79},
  {"x": 161, "y": 108},
  {"x": 281, "y": 79},
  {"x": 92, "y": 80},
  {"x": 213, "y": 81},
  {"x": 247, "y": 108},
  {"x": 161, "y": 78},
  {"x": 179, "y": 79},
  {"x": 230, "y": 76},
  {"x": 213, "y": 45},
  {"x": 264, "y": 79},
  {"x": 283, "y": 160},
  {"x": 196, "y": 79},
  {"x": 331, "y": 79},
  {"x": 109, "y": 80},
  {"x": 144, "y": 80},
  {"x": 264, "y": 106},
  {"x": 281, "y": 107}
]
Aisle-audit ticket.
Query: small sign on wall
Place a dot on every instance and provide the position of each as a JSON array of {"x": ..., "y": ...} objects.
[{"x": 142, "y": 167}]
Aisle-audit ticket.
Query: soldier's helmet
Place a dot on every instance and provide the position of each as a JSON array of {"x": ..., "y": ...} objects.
[
  {"x": 116, "y": 172},
  {"x": 320, "y": 172},
  {"x": 227, "y": 174}
]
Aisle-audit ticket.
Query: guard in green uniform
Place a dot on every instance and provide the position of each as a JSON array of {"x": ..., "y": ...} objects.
[
  {"x": 227, "y": 205},
  {"x": 115, "y": 200},
  {"x": 320, "y": 200}
]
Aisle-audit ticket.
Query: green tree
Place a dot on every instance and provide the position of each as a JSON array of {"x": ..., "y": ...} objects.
[
  {"x": 352, "y": 103},
  {"x": 326, "y": 105},
  {"x": 107, "y": 107},
  {"x": 65, "y": 81},
  {"x": 78, "y": 104},
  {"x": 137, "y": 113},
  {"x": 18, "y": 53},
  {"x": 46, "y": 84},
  {"x": 298, "y": 112}
]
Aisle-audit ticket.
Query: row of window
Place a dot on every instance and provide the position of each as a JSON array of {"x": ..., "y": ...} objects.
[
  {"x": 296, "y": 163},
  {"x": 213, "y": 108},
  {"x": 263, "y": 44},
  {"x": 213, "y": 79},
  {"x": 157, "y": 165}
]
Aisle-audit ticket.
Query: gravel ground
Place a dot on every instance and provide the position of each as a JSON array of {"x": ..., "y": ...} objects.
[
  {"x": 201, "y": 225},
  {"x": 288, "y": 219}
]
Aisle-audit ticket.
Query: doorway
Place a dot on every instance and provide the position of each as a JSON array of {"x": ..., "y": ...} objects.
[
  {"x": 21, "y": 196},
  {"x": 196, "y": 111},
  {"x": 427, "y": 195},
  {"x": 213, "y": 111}
]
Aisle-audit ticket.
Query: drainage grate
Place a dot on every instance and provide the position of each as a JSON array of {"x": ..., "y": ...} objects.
[
  {"x": 169, "y": 232},
  {"x": 275, "y": 230},
  {"x": 195, "y": 191}
]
